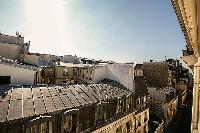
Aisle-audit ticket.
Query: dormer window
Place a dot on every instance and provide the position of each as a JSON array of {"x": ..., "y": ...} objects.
[
  {"x": 145, "y": 99},
  {"x": 120, "y": 106},
  {"x": 39, "y": 125},
  {"x": 74, "y": 72},
  {"x": 51, "y": 73},
  {"x": 138, "y": 121},
  {"x": 69, "y": 123},
  {"x": 128, "y": 102},
  {"x": 65, "y": 72},
  {"x": 100, "y": 114}
]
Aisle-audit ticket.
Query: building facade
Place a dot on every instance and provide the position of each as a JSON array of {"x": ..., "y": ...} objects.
[
  {"x": 13, "y": 47},
  {"x": 188, "y": 14},
  {"x": 14, "y": 73},
  {"x": 73, "y": 108}
]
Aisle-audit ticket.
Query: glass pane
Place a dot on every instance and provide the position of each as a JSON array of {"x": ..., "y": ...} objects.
[
  {"x": 44, "y": 127},
  {"x": 35, "y": 128},
  {"x": 67, "y": 124}
]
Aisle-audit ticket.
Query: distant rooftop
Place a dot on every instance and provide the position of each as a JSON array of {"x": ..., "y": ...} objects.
[{"x": 17, "y": 64}]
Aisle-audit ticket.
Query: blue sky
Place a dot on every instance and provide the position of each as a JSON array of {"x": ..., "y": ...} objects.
[{"x": 119, "y": 30}]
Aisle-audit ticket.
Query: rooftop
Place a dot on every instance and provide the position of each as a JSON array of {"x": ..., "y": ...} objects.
[
  {"x": 26, "y": 101},
  {"x": 17, "y": 64}
]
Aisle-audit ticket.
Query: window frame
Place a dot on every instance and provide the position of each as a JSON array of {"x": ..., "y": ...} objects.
[
  {"x": 38, "y": 121},
  {"x": 70, "y": 112},
  {"x": 103, "y": 113}
]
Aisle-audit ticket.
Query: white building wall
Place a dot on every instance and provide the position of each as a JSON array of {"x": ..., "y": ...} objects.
[
  {"x": 100, "y": 73},
  {"x": 31, "y": 59},
  {"x": 11, "y": 39},
  {"x": 38, "y": 60},
  {"x": 19, "y": 76},
  {"x": 9, "y": 51},
  {"x": 122, "y": 73}
]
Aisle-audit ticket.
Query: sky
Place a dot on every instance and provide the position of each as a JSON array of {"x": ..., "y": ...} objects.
[{"x": 118, "y": 30}]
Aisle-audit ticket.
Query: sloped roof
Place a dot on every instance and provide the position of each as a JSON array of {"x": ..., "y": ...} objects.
[
  {"x": 17, "y": 64},
  {"x": 113, "y": 83},
  {"x": 156, "y": 73},
  {"x": 22, "y": 102}
]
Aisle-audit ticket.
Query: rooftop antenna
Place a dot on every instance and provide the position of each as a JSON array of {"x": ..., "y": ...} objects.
[{"x": 17, "y": 33}]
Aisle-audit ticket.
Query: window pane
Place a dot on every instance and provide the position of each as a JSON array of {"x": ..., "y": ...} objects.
[
  {"x": 45, "y": 127},
  {"x": 67, "y": 124},
  {"x": 35, "y": 128}
]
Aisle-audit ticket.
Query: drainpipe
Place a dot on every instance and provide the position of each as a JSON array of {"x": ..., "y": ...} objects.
[{"x": 195, "y": 108}]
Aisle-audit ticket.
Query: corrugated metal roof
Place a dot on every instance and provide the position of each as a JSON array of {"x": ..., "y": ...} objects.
[{"x": 19, "y": 102}]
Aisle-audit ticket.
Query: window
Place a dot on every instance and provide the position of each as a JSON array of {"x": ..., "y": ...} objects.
[
  {"x": 120, "y": 106},
  {"x": 100, "y": 114},
  {"x": 65, "y": 72},
  {"x": 138, "y": 100},
  {"x": 145, "y": 99},
  {"x": 69, "y": 123},
  {"x": 74, "y": 72},
  {"x": 128, "y": 102},
  {"x": 90, "y": 75},
  {"x": 51, "y": 73},
  {"x": 119, "y": 129},
  {"x": 139, "y": 131},
  {"x": 138, "y": 121},
  {"x": 145, "y": 117},
  {"x": 39, "y": 128},
  {"x": 128, "y": 127},
  {"x": 133, "y": 124}
]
